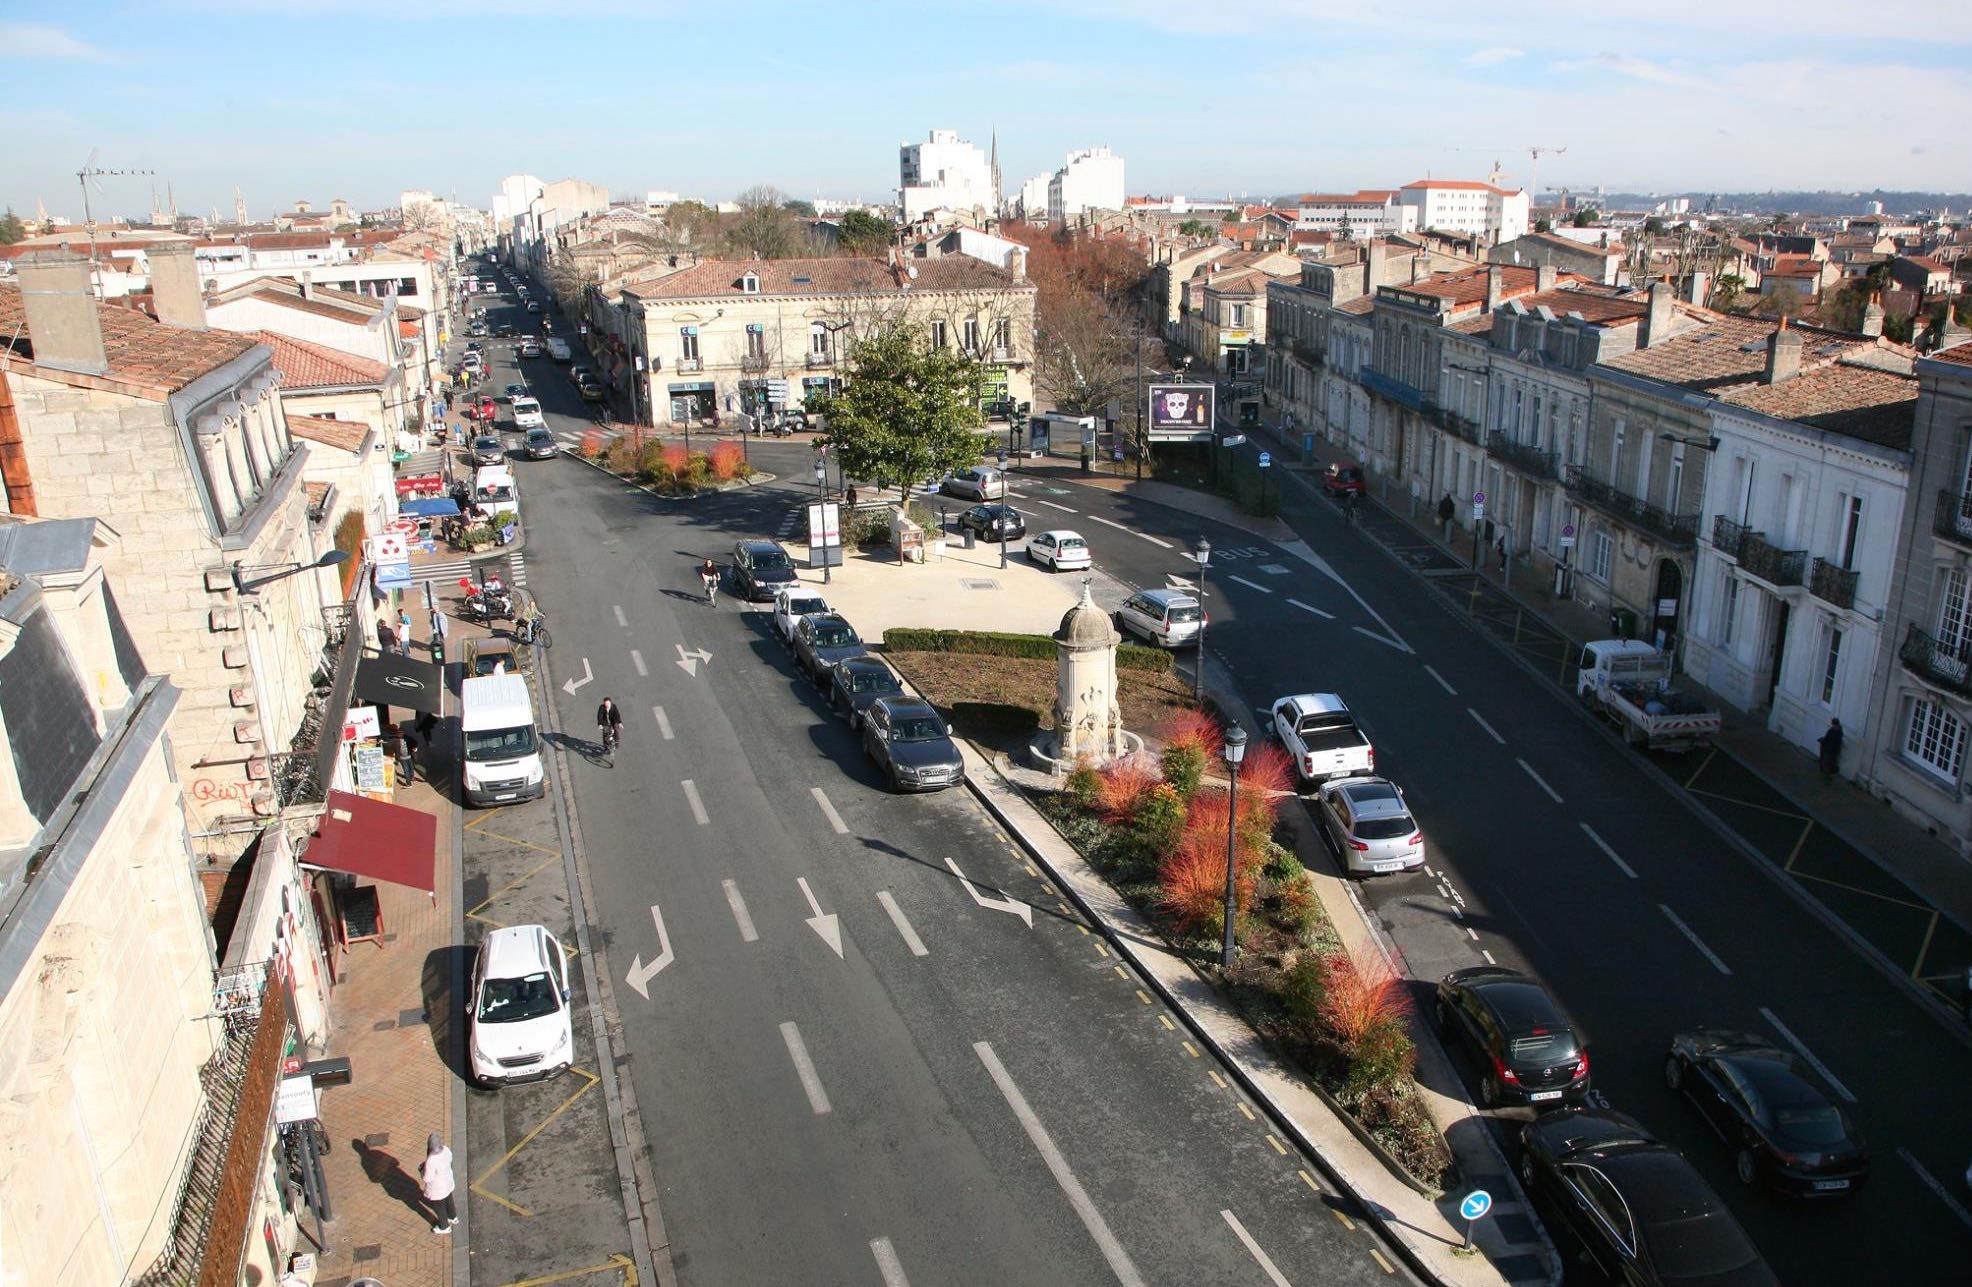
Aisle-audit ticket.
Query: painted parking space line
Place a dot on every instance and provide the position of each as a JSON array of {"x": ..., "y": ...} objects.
[
  {"x": 1431, "y": 671},
  {"x": 698, "y": 805},
  {"x": 621, "y": 620},
  {"x": 1696, "y": 941},
  {"x": 804, "y": 1068},
  {"x": 589, "y": 1082},
  {"x": 1063, "y": 508},
  {"x": 741, "y": 916},
  {"x": 887, "y": 1263},
  {"x": 1491, "y": 732},
  {"x": 1612, "y": 855},
  {"x": 828, "y": 811},
  {"x": 1807, "y": 1054},
  {"x": 1306, "y": 607},
  {"x": 1251, "y": 585},
  {"x": 1260, "y": 1257},
  {"x": 904, "y": 930},
  {"x": 1110, "y": 522},
  {"x": 1931, "y": 1182},
  {"x": 1539, "y": 781}
]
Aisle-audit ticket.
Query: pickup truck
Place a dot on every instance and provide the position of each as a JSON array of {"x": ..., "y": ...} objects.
[
  {"x": 1322, "y": 737},
  {"x": 1630, "y": 682}
]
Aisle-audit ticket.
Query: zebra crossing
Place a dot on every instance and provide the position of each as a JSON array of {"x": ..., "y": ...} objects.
[{"x": 449, "y": 571}]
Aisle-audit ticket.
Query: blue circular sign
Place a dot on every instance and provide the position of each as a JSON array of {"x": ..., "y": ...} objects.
[
  {"x": 1266, "y": 459},
  {"x": 1475, "y": 1204}
]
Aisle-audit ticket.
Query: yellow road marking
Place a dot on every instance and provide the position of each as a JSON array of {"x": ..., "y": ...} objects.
[
  {"x": 524, "y": 844},
  {"x": 1700, "y": 770},
  {"x": 1748, "y": 804},
  {"x": 1795, "y": 852},
  {"x": 1121, "y": 973},
  {"x": 1083, "y": 928},
  {"x": 618, "y": 1262},
  {"x": 1142, "y": 995},
  {"x": 1245, "y": 1110},
  {"x": 1165, "y": 1019},
  {"x": 1347, "y": 1223},
  {"x": 1924, "y": 948},
  {"x": 1279, "y": 1147},
  {"x": 588, "y": 1085},
  {"x": 1309, "y": 1180},
  {"x": 486, "y": 817},
  {"x": 1378, "y": 1256},
  {"x": 1190, "y": 1049},
  {"x": 1030, "y": 870},
  {"x": 513, "y": 884},
  {"x": 1101, "y": 950},
  {"x": 1217, "y": 1080},
  {"x": 1866, "y": 893}
]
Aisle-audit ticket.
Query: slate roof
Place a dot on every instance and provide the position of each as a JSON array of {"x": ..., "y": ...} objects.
[
  {"x": 50, "y": 545},
  {"x": 345, "y": 435},
  {"x": 720, "y": 278},
  {"x": 1723, "y": 350},
  {"x": 147, "y": 359},
  {"x": 317, "y": 366}
]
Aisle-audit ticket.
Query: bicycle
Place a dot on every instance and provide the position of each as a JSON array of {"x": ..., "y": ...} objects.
[
  {"x": 711, "y": 584},
  {"x": 612, "y": 737},
  {"x": 532, "y": 629}
]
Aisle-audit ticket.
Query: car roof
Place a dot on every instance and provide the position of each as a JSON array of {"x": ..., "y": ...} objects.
[
  {"x": 820, "y": 619},
  {"x": 1521, "y": 1003},
  {"x": 1060, "y": 534},
  {"x": 865, "y": 662},
  {"x": 1167, "y": 597},
  {"x": 515, "y": 949},
  {"x": 759, "y": 547},
  {"x": 1373, "y": 797},
  {"x": 539, "y": 431}
]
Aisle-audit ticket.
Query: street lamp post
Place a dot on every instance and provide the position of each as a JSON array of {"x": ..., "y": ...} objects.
[
  {"x": 282, "y": 571},
  {"x": 1006, "y": 511},
  {"x": 1235, "y": 751},
  {"x": 1198, "y": 662},
  {"x": 821, "y": 513}
]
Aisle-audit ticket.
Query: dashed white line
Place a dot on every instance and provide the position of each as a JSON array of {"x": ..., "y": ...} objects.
[
  {"x": 741, "y": 916},
  {"x": 1603, "y": 845},
  {"x": 1078, "y": 1197},
  {"x": 1931, "y": 1183},
  {"x": 1252, "y": 585},
  {"x": 663, "y": 721},
  {"x": 1696, "y": 942},
  {"x": 1306, "y": 607},
  {"x": 828, "y": 811},
  {"x": 698, "y": 805},
  {"x": 1441, "y": 680},
  {"x": 1253, "y": 1249},
  {"x": 1807, "y": 1054},
  {"x": 1063, "y": 508},
  {"x": 637, "y": 660},
  {"x": 1488, "y": 955},
  {"x": 621, "y": 620},
  {"x": 1110, "y": 522},
  {"x": 1539, "y": 781},
  {"x": 909, "y": 935},
  {"x": 804, "y": 1068},
  {"x": 887, "y": 1263},
  {"x": 1490, "y": 730}
]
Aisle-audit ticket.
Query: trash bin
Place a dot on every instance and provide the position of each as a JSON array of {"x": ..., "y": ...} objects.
[
  {"x": 1622, "y": 623},
  {"x": 968, "y": 538}
]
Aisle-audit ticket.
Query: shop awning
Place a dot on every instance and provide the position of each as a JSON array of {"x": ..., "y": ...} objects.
[
  {"x": 366, "y": 837},
  {"x": 390, "y": 680},
  {"x": 435, "y": 507}
]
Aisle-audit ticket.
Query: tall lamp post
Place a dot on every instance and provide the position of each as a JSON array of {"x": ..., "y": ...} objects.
[
  {"x": 821, "y": 512},
  {"x": 1006, "y": 510},
  {"x": 1204, "y": 557},
  {"x": 1235, "y": 751}
]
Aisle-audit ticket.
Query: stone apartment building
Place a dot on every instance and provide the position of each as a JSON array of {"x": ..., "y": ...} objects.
[
  {"x": 385, "y": 330},
  {"x": 723, "y": 337}
]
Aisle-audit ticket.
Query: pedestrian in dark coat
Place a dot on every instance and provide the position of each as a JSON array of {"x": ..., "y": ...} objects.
[
  {"x": 1445, "y": 512},
  {"x": 1831, "y": 750},
  {"x": 386, "y": 636}
]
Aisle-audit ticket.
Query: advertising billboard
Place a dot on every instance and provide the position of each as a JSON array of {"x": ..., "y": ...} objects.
[{"x": 1181, "y": 413}]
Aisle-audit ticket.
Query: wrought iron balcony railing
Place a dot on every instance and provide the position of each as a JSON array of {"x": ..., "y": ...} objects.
[
  {"x": 1728, "y": 537},
  {"x": 1832, "y": 584},
  {"x": 753, "y": 362},
  {"x": 1953, "y": 517},
  {"x": 821, "y": 359},
  {"x": 1523, "y": 456},
  {"x": 1772, "y": 564},
  {"x": 1929, "y": 657},
  {"x": 1674, "y": 529}
]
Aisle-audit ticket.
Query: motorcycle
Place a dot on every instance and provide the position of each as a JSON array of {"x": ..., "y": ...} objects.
[{"x": 487, "y": 603}]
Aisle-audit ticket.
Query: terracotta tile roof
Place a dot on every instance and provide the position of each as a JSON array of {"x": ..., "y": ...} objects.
[
  {"x": 1598, "y": 305},
  {"x": 344, "y": 435},
  {"x": 1958, "y": 353},
  {"x": 147, "y": 359},
  {"x": 1242, "y": 281},
  {"x": 1469, "y": 287},
  {"x": 1863, "y": 402},
  {"x": 407, "y": 328},
  {"x": 317, "y": 366},
  {"x": 1361, "y": 306},
  {"x": 1718, "y": 351},
  {"x": 1926, "y": 263},
  {"x": 720, "y": 278},
  {"x": 1480, "y": 324}
]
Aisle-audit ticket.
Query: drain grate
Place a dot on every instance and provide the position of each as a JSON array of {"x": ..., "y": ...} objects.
[{"x": 979, "y": 583}]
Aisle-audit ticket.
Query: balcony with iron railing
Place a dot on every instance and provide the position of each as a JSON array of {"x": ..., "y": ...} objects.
[
  {"x": 1832, "y": 584},
  {"x": 1935, "y": 661},
  {"x": 1307, "y": 351},
  {"x": 1679, "y": 530},
  {"x": 1728, "y": 537},
  {"x": 820, "y": 359},
  {"x": 1523, "y": 456},
  {"x": 754, "y": 362},
  {"x": 1953, "y": 517},
  {"x": 1772, "y": 564},
  {"x": 690, "y": 364}
]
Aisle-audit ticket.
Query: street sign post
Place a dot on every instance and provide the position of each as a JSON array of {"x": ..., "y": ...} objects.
[
  {"x": 1567, "y": 536},
  {"x": 1474, "y": 1205}
]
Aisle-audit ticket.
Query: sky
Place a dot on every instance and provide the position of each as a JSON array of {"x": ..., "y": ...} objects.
[{"x": 364, "y": 98}]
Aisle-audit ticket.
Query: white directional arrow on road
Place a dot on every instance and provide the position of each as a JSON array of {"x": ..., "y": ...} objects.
[
  {"x": 690, "y": 660},
  {"x": 570, "y": 685},
  {"x": 1007, "y": 904},
  {"x": 829, "y": 927},
  {"x": 641, "y": 974}
]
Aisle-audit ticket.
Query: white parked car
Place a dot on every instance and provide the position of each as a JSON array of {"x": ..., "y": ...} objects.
[
  {"x": 978, "y": 482},
  {"x": 520, "y": 1029},
  {"x": 792, "y": 604},
  {"x": 1063, "y": 551}
]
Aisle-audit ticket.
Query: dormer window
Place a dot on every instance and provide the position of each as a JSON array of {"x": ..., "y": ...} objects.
[{"x": 750, "y": 284}]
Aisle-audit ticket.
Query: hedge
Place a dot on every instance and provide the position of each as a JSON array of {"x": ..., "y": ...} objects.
[{"x": 986, "y": 643}]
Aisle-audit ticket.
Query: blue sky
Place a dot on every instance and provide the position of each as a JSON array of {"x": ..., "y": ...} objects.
[{"x": 363, "y": 98}]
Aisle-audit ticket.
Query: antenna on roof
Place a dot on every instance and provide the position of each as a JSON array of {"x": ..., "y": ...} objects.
[{"x": 87, "y": 175}]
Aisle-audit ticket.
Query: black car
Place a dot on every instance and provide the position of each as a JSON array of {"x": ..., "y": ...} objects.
[
  {"x": 1783, "y": 1131},
  {"x": 1638, "y": 1208},
  {"x": 1528, "y": 1050},
  {"x": 858, "y": 681},
  {"x": 994, "y": 522},
  {"x": 821, "y": 641},
  {"x": 912, "y": 744},
  {"x": 760, "y": 568}
]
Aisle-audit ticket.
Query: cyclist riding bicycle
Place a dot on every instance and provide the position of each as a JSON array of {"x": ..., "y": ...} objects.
[
  {"x": 708, "y": 575},
  {"x": 609, "y": 721},
  {"x": 529, "y": 624}
]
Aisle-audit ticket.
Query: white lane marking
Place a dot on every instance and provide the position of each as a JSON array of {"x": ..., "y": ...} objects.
[
  {"x": 1305, "y": 607},
  {"x": 804, "y": 1068},
  {"x": 1078, "y": 1197},
  {"x": 1490, "y": 730},
  {"x": 828, "y": 925},
  {"x": 1539, "y": 781},
  {"x": 640, "y": 974},
  {"x": 910, "y": 936},
  {"x": 1807, "y": 1054},
  {"x": 1007, "y": 904},
  {"x": 740, "y": 915},
  {"x": 1931, "y": 1183},
  {"x": 637, "y": 660},
  {"x": 663, "y": 721},
  {"x": 1252, "y": 585},
  {"x": 698, "y": 805},
  {"x": 621, "y": 620},
  {"x": 1063, "y": 508},
  {"x": 1109, "y": 522},
  {"x": 1441, "y": 680},
  {"x": 828, "y": 811},
  {"x": 1253, "y": 1249},
  {"x": 1365, "y": 630},
  {"x": 1696, "y": 942},
  {"x": 887, "y": 1263},
  {"x": 1603, "y": 845},
  {"x": 1488, "y": 955}
]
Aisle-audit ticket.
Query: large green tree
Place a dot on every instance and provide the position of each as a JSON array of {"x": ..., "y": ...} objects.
[
  {"x": 11, "y": 228},
  {"x": 906, "y": 411},
  {"x": 861, "y": 233}
]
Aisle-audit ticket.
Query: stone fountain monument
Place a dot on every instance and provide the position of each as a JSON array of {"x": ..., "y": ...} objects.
[{"x": 1088, "y": 724}]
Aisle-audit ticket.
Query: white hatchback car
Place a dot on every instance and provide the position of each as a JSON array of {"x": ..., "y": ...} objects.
[
  {"x": 519, "y": 1024},
  {"x": 978, "y": 482},
  {"x": 792, "y": 604},
  {"x": 1062, "y": 551}
]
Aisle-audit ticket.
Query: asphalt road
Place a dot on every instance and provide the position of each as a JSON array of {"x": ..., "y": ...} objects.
[
  {"x": 953, "y": 1096},
  {"x": 1552, "y": 850}
]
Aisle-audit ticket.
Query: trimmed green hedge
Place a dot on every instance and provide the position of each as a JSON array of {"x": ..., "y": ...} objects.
[{"x": 986, "y": 643}]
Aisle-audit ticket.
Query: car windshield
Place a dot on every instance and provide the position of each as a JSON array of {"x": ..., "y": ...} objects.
[
  {"x": 868, "y": 683},
  {"x": 515, "y": 1000},
  {"x": 524, "y": 405},
  {"x": 917, "y": 728},
  {"x": 1394, "y": 827},
  {"x": 500, "y": 743},
  {"x": 770, "y": 561},
  {"x": 835, "y": 635},
  {"x": 1183, "y": 612},
  {"x": 802, "y": 607},
  {"x": 1809, "y": 1125},
  {"x": 1544, "y": 1046}
]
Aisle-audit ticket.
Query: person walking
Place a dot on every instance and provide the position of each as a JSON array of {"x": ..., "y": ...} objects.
[
  {"x": 438, "y": 630},
  {"x": 407, "y": 754},
  {"x": 1831, "y": 750},
  {"x": 1446, "y": 509},
  {"x": 437, "y": 1184},
  {"x": 404, "y": 630},
  {"x": 386, "y": 636}
]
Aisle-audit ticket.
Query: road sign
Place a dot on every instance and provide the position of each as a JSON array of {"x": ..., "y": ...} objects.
[
  {"x": 1478, "y": 498},
  {"x": 1567, "y": 535},
  {"x": 1478, "y": 506},
  {"x": 1233, "y": 440},
  {"x": 1266, "y": 459},
  {"x": 1475, "y": 1204}
]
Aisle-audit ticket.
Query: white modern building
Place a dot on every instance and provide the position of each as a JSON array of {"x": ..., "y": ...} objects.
[
  {"x": 1034, "y": 196},
  {"x": 1092, "y": 179},
  {"x": 1462, "y": 206},
  {"x": 1371, "y": 212},
  {"x": 945, "y": 172}
]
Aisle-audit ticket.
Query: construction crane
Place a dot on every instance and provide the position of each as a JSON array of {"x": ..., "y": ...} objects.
[
  {"x": 1534, "y": 170},
  {"x": 1533, "y": 175}
]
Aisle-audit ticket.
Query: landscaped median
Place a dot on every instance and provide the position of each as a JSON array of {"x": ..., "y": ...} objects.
[
  {"x": 1155, "y": 826},
  {"x": 638, "y": 455}
]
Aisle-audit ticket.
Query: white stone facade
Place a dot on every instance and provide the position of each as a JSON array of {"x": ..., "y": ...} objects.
[
  {"x": 1475, "y": 209},
  {"x": 1092, "y": 179},
  {"x": 946, "y": 172}
]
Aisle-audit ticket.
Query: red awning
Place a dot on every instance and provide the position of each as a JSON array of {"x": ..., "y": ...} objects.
[{"x": 367, "y": 837}]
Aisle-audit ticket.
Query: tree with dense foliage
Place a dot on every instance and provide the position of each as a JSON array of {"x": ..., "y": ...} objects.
[
  {"x": 1197, "y": 228},
  {"x": 12, "y": 229},
  {"x": 1586, "y": 217},
  {"x": 906, "y": 411},
  {"x": 798, "y": 208},
  {"x": 1726, "y": 292},
  {"x": 1544, "y": 224},
  {"x": 859, "y": 232}
]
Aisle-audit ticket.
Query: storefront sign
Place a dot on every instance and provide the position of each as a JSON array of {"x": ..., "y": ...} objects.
[
  {"x": 370, "y": 769},
  {"x": 361, "y": 724},
  {"x": 295, "y": 1101}
]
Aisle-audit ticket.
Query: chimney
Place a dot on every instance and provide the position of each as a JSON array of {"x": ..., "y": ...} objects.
[
  {"x": 1657, "y": 321},
  {"x": 1493, "y": 280},
  {"x": 175, "y": 292},
  {"x": 1698, "y": 288},
  {"x": 1017, "y": 263},
  {"x": 61, "y": 313},
  {"x": 1783, "y": 354},
  {"x": 1544, "y": 277},
  {"x": 307, "y": 284},
  {"x": 1378, "y": 250},
  {"x": 1872, "y": 317}
]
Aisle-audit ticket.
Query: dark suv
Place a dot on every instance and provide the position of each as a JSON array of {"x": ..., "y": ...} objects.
[
  {"x": 1529, "y": 1051},
  {"x": 760, "y": 568},
  {"x": 912, "y": 744}
]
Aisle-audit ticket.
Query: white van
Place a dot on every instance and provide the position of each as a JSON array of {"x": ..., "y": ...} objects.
[
  {"x": 503, "y": 751},
  {"x": 493, "y": 490},
  {"x": 527, "y": 414},
  {"x": 520, "y": 1029}
]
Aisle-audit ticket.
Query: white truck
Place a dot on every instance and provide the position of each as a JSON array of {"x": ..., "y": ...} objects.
[
  {"x": 1317, "y": 730},
  {"x": 1629, "y": 681},
  {"x": 558, "y": 349}
]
